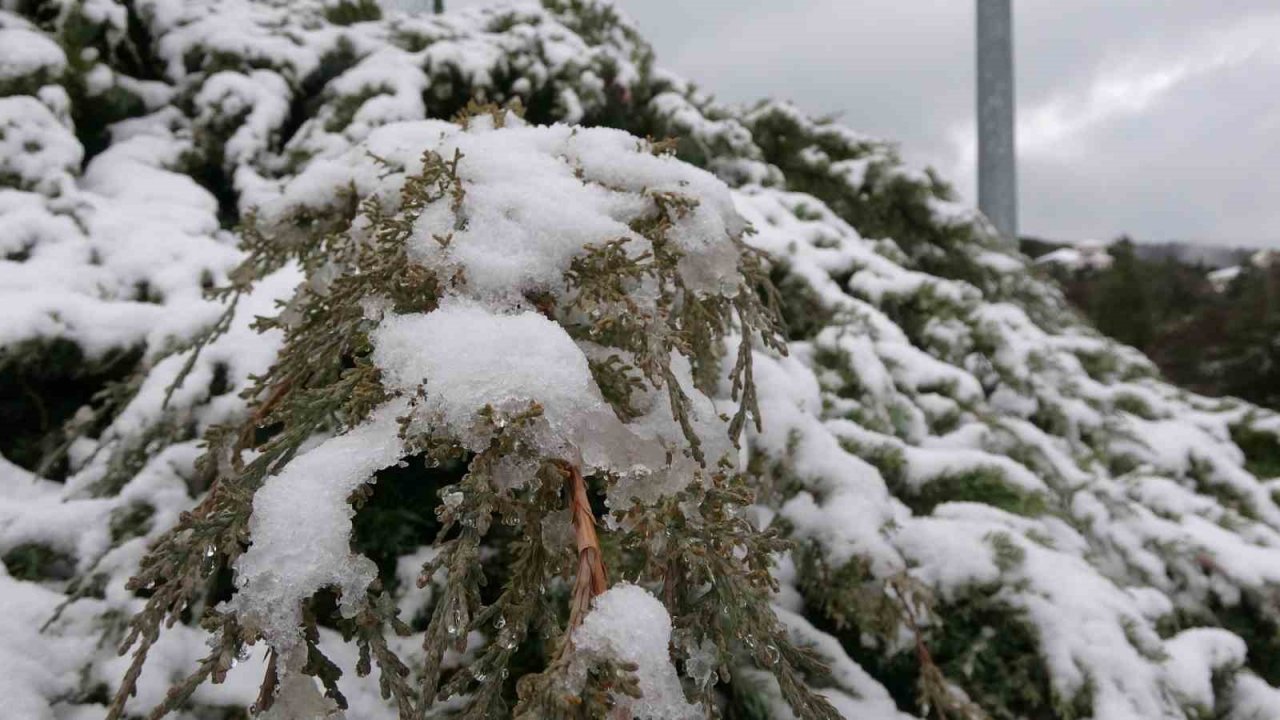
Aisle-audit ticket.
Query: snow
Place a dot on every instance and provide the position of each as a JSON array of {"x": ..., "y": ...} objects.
[
  {"x": 630, "y": 625},
  {"x": 855, "y": 693},
  {"x": 301, "y": 526},
  {"x": 535, "y": 197},
  {"x": 35, "y": 666},
  {"x": 129, "y": 223},
  {"x": 1253, "y": 699},
  {"x": 1084, "y": 256},
  {"x": 1222, "y": 278},
  {"x": 24, "y": 52},
  {"x": 462, "y": 355},
  {"x": 1195, "y": 655},
  {"x": 470, "y": 358},
  {"x": 36, "y": 149}
]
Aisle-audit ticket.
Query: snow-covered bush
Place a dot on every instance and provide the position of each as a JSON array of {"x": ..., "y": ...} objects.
[{"x": 335, "y": 372}]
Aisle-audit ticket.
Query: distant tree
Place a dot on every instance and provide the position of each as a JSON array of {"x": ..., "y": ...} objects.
[{"x": 1121, "y": 305}]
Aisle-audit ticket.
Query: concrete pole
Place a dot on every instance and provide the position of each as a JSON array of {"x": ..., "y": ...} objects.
[{"x": 997, "y": 158}]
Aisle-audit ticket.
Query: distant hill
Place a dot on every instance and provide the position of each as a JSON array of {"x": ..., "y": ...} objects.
[{"x": 1184, "y": 252}]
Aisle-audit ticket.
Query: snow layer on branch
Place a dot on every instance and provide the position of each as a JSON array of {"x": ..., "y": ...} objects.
[
  {"x": 300, "y": 530},
  {"x": 1197, "y": 654},
  {"x": 853, "y": 692},
  {"x": 24, "y": 52},
  {"x": 37, "y": 152},
  {"x": 469, "y": 358},
  {"x": 630, "y": 625},
  {"x": 537, "y": 196},
  {"x": 899, "y": 398},
  {"x": 115, "y": 260}
]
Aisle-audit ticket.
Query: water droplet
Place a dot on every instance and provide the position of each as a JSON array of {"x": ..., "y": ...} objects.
[
  {"x": 771, "y": 654},
  {"x": 507, "y": 640},
  {"x": 457, "y": 623}
]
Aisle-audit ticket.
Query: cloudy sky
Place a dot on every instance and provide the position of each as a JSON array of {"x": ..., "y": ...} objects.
[{"x": 1157, "y": 118}]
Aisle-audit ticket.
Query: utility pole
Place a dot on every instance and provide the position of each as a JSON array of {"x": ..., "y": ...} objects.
[{"x": 997, "y": 157}]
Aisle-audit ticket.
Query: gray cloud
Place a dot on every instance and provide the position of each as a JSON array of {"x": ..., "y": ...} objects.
[{"x": 1158, "y": 119}]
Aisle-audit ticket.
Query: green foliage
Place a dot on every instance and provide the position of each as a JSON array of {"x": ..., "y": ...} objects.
[
  {"x": 688, "y": 322},
  {"x": 605, "y": 680},
  {"x": 746, "y": 702},
  {"x": 393, "y": 515},
  {"x": 1134, "y": 405},
  {"x": 346, "y": 107},
  {"x": 992, "y": 651},
  {"x": 986, "y": 485},
  {"x": 35, "y": 561},
  {"x": 886, "y": 203},
  {"x": 869, "y": 616},
  {"x": 1121, "y": 307},
  {"x": 804, "y": 314},
  {"x": 976, "y": 641},
  {"x": 130, "y": 521},
  {"x": 502, "y": 565},
  {"x": 42, "y": 386},
  {"x": 1261, "y": 449},
  {"x": 322, "y": 380},
  {"x": 1252, "y": 618},
  {"x": 349, "y": 12}
]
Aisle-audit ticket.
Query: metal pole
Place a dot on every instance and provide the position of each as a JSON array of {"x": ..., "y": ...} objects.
[{"x": 997, "y": 158}]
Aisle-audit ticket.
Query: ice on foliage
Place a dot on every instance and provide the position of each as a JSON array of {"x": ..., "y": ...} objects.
[
  {"x": 298, "y": 698},
  {"x": 629, "y": 625}
]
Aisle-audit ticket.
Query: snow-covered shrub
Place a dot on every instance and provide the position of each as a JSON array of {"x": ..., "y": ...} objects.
[
  {"x": 537, "y": 306},
  {"x": 275, "y": 347}
]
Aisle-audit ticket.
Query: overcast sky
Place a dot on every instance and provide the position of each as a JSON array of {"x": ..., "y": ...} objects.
[{"x": 1156, "y": 118}]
